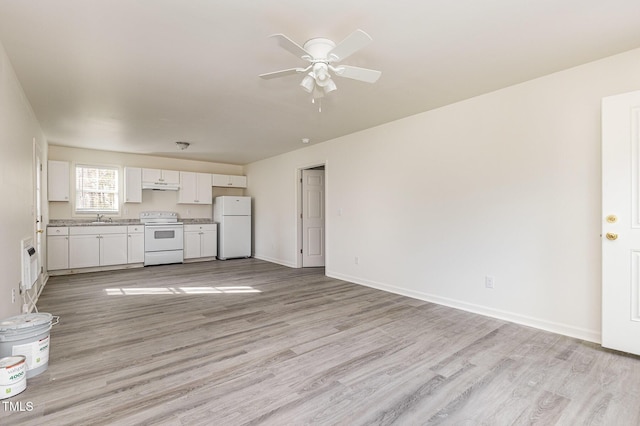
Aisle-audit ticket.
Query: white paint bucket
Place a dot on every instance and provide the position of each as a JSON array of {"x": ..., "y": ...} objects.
[
  {"x": 28, "y": 335},
  {"x": 13, "y": 376}
]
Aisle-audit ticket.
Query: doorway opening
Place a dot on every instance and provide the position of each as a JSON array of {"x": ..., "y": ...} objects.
[{"x": 311, "y": 217}]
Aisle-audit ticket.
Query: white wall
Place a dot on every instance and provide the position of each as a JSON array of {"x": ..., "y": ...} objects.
[
  {"x": 18, "y": 128},
  {"x": 505, "y": 184}
]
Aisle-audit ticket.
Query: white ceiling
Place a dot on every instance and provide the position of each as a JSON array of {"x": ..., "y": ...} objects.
[{"x": 136, "y": 76}]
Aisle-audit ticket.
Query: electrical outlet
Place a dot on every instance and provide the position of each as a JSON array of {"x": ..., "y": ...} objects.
[
  {"x": 13, "y": 295},
  {"x": 489, "y": 281},
  {"x": 356, "y": 260}
]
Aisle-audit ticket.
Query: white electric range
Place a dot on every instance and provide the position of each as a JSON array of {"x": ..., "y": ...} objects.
[{"x": 163, "y": 238}]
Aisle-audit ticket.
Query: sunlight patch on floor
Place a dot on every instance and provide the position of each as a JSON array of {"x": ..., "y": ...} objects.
[{"x": 134, "y": 291}]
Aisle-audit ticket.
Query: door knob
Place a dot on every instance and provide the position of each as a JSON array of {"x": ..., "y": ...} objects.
[{"x": 611, "y": 236}]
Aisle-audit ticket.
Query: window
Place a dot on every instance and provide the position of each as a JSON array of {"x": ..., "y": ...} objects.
[{"x": 96, "y": 189}]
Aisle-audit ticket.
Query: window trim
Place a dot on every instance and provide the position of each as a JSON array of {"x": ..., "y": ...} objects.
[{"x": 117, "y": 192}]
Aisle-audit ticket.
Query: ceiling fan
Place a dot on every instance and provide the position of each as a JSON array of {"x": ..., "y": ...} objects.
[{"x": 323, "y": 55}]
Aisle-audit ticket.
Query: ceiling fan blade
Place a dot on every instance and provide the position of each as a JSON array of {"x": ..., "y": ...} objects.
[
  {"x": 347, "y": 47},
  {"x": 291, "y": 46},
  {"x": 281, "y": 73},
  {"x": 357, "y": 73}
]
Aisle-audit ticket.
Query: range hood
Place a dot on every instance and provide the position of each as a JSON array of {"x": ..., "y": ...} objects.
[{"x": 161, "y": 186}]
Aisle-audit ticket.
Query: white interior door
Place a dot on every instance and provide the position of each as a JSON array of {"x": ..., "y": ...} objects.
[
  {"x": 621, "y": 222},
  {"x": 312, "y": 218}
]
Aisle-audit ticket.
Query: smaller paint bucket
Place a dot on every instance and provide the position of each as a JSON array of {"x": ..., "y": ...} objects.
[{"x": 13, "y": 375}]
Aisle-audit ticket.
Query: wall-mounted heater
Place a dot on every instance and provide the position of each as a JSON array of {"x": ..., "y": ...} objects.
[{"x": 29, "y": 263}]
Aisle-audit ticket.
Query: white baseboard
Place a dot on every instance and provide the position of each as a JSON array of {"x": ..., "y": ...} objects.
[
  {"x": 554, "y": 327},
  {"x": 273, "y": 260}
]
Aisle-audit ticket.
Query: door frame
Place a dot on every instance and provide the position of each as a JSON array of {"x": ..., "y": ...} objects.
[
  {"x": 299, "y": 203},
  {"x": 39, "y": 211}
]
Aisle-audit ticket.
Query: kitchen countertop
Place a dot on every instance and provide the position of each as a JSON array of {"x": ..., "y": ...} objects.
[
  {"x": 196, "y": 221},
  {"x": 90, "y": 222}
]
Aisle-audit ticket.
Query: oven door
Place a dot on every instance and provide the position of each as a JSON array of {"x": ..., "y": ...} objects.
[{"x": 159, "y": 237}]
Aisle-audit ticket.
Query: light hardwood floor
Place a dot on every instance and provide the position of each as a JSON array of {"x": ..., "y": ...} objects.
[{"x": 249, "y": 342}]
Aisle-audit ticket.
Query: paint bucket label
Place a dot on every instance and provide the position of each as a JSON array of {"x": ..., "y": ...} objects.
[
  {"x": 13, "y": 376},
  {"x": 36, "y": 353}
]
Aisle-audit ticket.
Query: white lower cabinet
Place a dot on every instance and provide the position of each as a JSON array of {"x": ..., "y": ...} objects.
[
  {"x": 135, "y": 243},
  {"x": 57, "y": 248},
  {"x": 91, "y": 246},
  {"x": 113, "y": 249},
  {"x": 84, "y": 251},
  {"x": 200, "y": 241}
]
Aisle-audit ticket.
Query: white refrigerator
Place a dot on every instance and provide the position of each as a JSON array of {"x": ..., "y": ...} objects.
[{"x": 233, "y": 215}]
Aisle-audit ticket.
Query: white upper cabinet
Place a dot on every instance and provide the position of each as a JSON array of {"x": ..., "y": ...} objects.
[
  {"x": 229, "y": 181},
  {"x": 132, "y": 185},
  {"x": 157, "y": 175},
  {"x": 58, "y": 183},
  {"x": 195, "y": 188}
]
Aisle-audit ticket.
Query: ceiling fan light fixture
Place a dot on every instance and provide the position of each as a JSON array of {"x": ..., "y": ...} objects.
[
  {"x": 329, "y": 87},
  {"x": 308, "y": 82},
  {"x": 321, "y": 71},
  {"x": 182, "y": 145}
]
